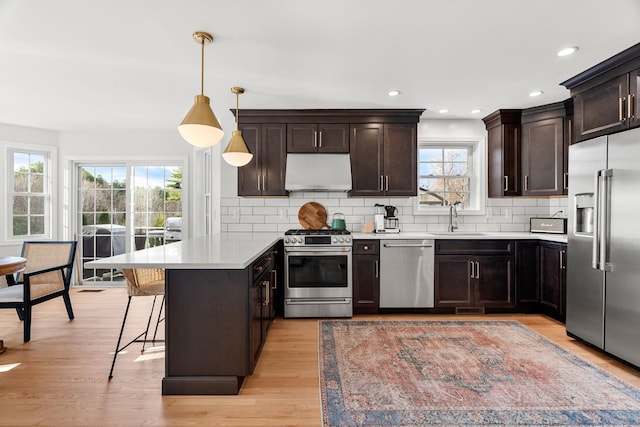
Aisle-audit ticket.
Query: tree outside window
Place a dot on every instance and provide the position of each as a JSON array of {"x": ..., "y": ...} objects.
[{"x": 444, "y": 175}]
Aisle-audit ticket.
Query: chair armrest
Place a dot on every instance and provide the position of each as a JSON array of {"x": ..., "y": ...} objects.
[{"x": 45, "y": 270}]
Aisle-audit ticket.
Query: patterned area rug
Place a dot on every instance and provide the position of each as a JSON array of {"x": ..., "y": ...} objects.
[{"x": 462, "y": 373}]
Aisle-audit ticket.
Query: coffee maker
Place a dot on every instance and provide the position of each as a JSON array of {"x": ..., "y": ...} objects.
[{"x": 385, "y": 220}]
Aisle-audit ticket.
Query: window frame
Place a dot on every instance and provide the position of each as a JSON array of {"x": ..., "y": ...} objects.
[
  {"x": 49, "y": 190},
  {"x": 477, "y": 181}
]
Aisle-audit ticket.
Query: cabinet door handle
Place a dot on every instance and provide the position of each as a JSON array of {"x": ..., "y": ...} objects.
[
  {"x": 320, "y": 143},
  {"x": 506, "y": 183},
  {"x": 315, "y": 138},
  {"x": 258, "y": 179},
  {"x": 477, "y": 270},
  {"x": 526, "y": 183},
  {"x": 565, "y": 180},
  {"x": 263, "y": 186},
  {"x": 631, "y": 106},
  {"x": 471, "y": 268},
  {"x": 376, "y": 269},
  {"x": 562, "y": 265},
  {"x": 267, "y": 293},
  {"x": 275, "y": 279},
  {"x": 386, "y": 186},
  {"x": 381, "y": 182},
  {"x": 621, "y": 115}
]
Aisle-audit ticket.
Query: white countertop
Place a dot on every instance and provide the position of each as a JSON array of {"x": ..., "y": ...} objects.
[
  {"x": 218, "y": 251},
  {"x": 562, "y": 238},
  {"x": 224, "y": 251}
]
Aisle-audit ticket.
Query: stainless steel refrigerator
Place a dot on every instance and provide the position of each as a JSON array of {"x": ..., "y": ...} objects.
[{"x": 603, "y": 255}]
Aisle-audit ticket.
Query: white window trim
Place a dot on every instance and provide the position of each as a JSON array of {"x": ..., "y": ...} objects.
[
  {"x": 51, "y": 193},
  {"x": 76, "y": 162},
  {"x": 478, "y": 183}
]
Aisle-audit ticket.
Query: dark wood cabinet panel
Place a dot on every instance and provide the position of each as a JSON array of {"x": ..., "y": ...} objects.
[
  {"x": 600, "y": 110},
  {"x": 400, "y": 160},
  {"x": 495, "y": 281},
  {"x": 366, "y": 276},
  {"x": 264, "y": 175},
  {"x": 454, "y": 284},
  {"x": 543, "y": 157},
  {"x": 484, "y": 276},
  {"x": 527, "y": 273},
  {"x": 317, "y": 138},
  {"x": 606, "y": 96},
  {"x": 504, "y": 157},
  {"x": 553, "y": 278},
  {"x": 367, "y": 159}
]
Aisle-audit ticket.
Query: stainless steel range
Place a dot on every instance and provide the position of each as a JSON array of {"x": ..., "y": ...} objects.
[{"x": 318, "y": 273}]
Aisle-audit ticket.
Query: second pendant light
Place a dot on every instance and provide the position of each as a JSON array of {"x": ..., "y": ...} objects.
[{"x": 237, "y": 153}]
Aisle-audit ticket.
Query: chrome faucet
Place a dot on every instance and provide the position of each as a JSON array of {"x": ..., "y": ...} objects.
[{"x": 453, "y": 213}]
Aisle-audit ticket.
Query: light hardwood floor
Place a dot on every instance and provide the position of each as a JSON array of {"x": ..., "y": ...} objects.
[{"x": 62, "y": 374}]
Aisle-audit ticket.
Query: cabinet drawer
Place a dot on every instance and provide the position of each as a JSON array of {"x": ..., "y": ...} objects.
[
  {"x": 474, "y": 247},
  {"x": 263, "y": 264},
  {"x": 366, "y": 247}
]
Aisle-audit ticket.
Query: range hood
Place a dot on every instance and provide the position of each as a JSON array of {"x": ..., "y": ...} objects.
[{"x": 318, "y": 172}]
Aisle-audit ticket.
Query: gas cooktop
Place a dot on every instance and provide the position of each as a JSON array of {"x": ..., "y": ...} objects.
[{"x": 323, "y": 231}]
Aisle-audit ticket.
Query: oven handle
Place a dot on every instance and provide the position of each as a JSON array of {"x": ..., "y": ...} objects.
[
  {"x": 303, "y": 301},
  {"x": 316, "y": 252}
]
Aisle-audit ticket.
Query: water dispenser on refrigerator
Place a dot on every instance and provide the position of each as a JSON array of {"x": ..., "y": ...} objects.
[{"x": 584, "y": 213}]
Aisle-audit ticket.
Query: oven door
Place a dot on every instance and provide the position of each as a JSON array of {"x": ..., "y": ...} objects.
[{"x": 318, "y": 273}]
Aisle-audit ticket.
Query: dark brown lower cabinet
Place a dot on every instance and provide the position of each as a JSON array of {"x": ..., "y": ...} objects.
[
  {"x": 528, "y": 275},
  {"x": 366, "y": 276},
  {"x": 553, "y": 279},
  {"x": 483, "y": 277},
  {"x": 216, "y": 324}
]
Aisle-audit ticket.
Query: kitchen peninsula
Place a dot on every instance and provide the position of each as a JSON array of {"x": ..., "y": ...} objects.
[{"x": 220, "y": 296}]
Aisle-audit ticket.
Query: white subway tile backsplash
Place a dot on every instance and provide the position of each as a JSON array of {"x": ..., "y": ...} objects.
[
  {"x": 526, "y": 202},
  {"x": 265, "y": 210},
  {"x": 242, "y": 216},
  {"x": 252, "y": 201}
]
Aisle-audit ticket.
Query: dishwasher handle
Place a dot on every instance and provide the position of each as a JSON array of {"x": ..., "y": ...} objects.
[{"x": 408, "y": 245}]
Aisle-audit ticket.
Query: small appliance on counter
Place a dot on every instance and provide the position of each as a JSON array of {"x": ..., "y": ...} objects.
[
  {"x": 385, "y": 220},
  {"x": 548, "y": 225}
]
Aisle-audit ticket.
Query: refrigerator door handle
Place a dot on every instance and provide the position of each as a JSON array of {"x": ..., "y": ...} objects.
[
  {"x": 595, "y": 249},
  {"x": 605, "y": 215}
]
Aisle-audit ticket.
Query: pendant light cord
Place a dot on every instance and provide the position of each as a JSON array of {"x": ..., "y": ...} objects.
[
  {"x": 202, "y": 67},
  {"x": 237, "y": 96}
]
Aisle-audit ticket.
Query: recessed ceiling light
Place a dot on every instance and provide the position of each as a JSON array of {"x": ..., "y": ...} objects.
[
  {"x": 443, "y": 110},
  {"x": 567, "y": 51},
  {"x": 536, "y": 93},
  {"x": 394, "y": 92},
  {"x": 476, "y": 111}
]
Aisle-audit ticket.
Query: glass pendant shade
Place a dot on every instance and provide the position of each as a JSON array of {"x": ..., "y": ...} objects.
[
  {"x": 237, "y": 153},
  {"x": 200, "y": 126}
]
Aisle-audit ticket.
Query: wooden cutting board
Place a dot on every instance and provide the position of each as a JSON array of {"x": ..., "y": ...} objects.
[{"x": 313, "y": 216}]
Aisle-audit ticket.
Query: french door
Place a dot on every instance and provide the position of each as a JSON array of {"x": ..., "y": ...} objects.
[{"x": 123, "y": 207}]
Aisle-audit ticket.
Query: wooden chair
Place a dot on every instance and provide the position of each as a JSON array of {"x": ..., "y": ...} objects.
[
  {"x": 47, "y": 275},
  {"x": 141, "y": 282}
]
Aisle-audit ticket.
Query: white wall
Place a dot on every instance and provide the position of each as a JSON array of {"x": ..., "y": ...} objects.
[{"x": 257, "y": 215}]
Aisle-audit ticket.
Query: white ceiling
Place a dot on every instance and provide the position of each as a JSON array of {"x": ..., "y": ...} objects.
[{"x": 133, "y": 64}]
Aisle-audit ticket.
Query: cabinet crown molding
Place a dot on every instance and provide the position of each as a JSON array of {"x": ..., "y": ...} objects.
[{"x": 350, "y": 116}]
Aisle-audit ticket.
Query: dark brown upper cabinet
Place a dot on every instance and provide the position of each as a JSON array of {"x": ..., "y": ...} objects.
[
  {"x": 264, "y": 174},
  {"x": 606, "y": 96},
  {"x": 543, "y": 150},
  {"x": 384, "y": 159},
  {"x": 382, "y": 144},
  {"x": 317, "y": 138},
  {"x": 504, "y": 157}
]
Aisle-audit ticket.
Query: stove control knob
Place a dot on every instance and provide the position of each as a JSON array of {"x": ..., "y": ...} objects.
[
  {"x": 341, "y": 240},
  {"x": 287, "y": 240},
  {"x": 335, "y": 240},
  {"x": 300, "y": 240},
  {"x": 347, "y": 239}
]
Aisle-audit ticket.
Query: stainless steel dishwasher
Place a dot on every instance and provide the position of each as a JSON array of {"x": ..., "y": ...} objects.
[{"x": 406, "y": 273}]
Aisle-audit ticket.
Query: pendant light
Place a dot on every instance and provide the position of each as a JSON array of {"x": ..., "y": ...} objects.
[
  {"x": 200, "y": 126},
  {"x": 237, "y": 153}
]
